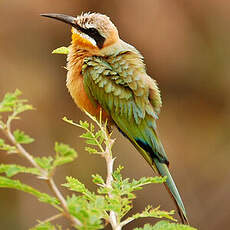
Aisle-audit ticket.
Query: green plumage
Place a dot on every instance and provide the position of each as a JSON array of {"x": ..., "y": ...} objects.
[{"x": 121, "y": 86}]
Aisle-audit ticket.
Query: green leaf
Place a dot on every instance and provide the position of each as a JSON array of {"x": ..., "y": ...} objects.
[
  {"x": 91, "y": 150},
  {"x": 15, "y": 184},
  {"x": 84, "y": 124},
  {"x": 64, "y": 150},
  {"x": 11, "y": 170},
  {"x": 9, "y": 101},
  {"x": 8, "y": 148},
  {"x": 154, "y": 212},
  {"x": 21, "y": 107},
  {"x": 87, "y": 135},
  {"x": 75, "y": 185},
  {"x": 46, "y": 226},
  {"x": 44, "y": 162},
  {"x": 97, "y": 179},
  {"x": 64, "y": 154},
  {"x": 117, "y": 173},
  {"x": 165, "y": 225},
  {"x": 22, "y": 138},
  {"x": 91, "y": 142},
  {"x": 61, "y": 50},
  {"x": 88, "y": 212}
]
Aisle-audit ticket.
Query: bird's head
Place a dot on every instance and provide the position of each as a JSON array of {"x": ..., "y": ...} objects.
[{"x": 90, "y": 31}]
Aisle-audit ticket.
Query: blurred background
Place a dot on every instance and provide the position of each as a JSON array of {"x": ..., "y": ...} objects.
[{"x": 187, "y": 50}]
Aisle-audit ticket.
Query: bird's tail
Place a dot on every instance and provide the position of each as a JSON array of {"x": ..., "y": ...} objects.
[{"x": 172, "y": 189}]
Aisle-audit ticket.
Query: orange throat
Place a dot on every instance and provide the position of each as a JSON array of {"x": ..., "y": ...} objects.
[
  {"x": 75, "y": 83},
  {"x": 81, "y": 42}
]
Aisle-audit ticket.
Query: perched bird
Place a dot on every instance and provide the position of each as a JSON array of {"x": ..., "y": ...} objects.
[{"x": 105, "y": 73}]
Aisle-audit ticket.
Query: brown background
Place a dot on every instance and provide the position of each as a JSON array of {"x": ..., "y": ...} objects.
[{"x": 186, "y": 49}]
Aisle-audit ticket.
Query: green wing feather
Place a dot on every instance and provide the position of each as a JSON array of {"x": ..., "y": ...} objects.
[{"x": 132, "y": 99}]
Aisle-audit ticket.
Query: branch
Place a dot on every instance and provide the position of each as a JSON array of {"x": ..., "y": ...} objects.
[
  {"x": 50, "y": 219},
  {"x": 7, "y": 131},
  {"x": 113, "y": 219}
]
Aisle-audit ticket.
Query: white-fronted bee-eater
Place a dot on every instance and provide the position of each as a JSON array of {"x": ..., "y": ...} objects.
[{"x": 105, "y": 73}]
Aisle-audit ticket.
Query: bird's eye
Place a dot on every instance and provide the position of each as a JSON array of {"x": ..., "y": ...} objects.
[{"x": 93, "y": 30}]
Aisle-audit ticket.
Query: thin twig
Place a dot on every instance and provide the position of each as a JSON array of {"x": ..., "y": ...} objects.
[
  {"x": 127, "y": 221},
  {"x": 44, "y": 173},
  {"x": 50, "y": 219}
]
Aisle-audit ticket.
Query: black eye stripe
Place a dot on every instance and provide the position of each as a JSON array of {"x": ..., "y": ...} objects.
[{"x": 93, "y": 33}]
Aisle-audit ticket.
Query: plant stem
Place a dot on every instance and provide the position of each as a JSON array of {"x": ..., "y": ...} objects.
[
  {"x": 109, "y": 162},
  {"x": 44, "y": 173},
  {"x": 52, "y": 218},
  {"x": 62, "y": 200}
]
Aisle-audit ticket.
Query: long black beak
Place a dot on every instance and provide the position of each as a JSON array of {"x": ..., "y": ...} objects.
[{"x": 64, "y": 18}]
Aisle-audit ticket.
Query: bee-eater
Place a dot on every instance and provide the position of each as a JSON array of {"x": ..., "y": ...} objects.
[{"x": 107, "y": 74}]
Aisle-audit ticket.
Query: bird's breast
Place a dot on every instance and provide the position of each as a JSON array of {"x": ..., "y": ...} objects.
[{"x": 76, "y": 87}]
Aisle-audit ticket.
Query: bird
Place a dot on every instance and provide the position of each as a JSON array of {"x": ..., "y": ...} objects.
[{"x": 107, "y": 74}]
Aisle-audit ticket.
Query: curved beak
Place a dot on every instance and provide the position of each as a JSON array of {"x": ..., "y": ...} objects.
[{"x": 64, "y": 18}]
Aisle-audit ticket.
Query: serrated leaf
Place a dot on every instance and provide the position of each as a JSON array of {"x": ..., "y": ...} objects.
[
  {"x": 91, "y": 150},
  {"x": 23, "y": 107},
  {"x": 62, "y": 160},
  {"x": 75, "y": 185},
  {"x": 44, "y": 162},
  {"x": 16, "y": 184},
  {"x": 22, "y": 138},
  {"x": 12, "y": 169},
  {"x": 9, "y": 101},
  {"x": 64, "y": 154},
  {"x": 103, "y": 190},
  {"x": 114, "y": 204},
  {"x": 117, "y": 173},
  {"x": 88, "y": 212},
  {"x": 154, "y": 212},
  {"x": 8, "y": 148},
  {"x": 91, "y": 142},
  {"x": 165, "y": 225},
  {"x": 46, "y": 226},
  {"x": 61, "y": 50},
  {"x": 84, "y": 124},
  {"x": 64, "y": 150},
  {"x": 97, "y": 179},
  {"x": 87, "y": 135}
]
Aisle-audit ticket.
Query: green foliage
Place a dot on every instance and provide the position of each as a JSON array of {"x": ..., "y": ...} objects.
[
  {"x": 45, "y": 162},
  {"x": 87, "y": 210},
  {"x": 22, "y": 138},
  {"x": 154, "y": 212},
  {"x": 64, "y": 155},
  {"x": 46, "y": 226},
  {"x": 92, "y": 137},
  {"x": 165, "y": 225},
  {"x": 8, "y": 148},
  {"x": 16, "y": 184},
  {"x": 12, "y": 103},
  {"x": 12, "y": 170}
]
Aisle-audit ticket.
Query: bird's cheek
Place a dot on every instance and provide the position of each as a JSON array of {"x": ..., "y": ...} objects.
[{"x": 81, "y": 42}]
